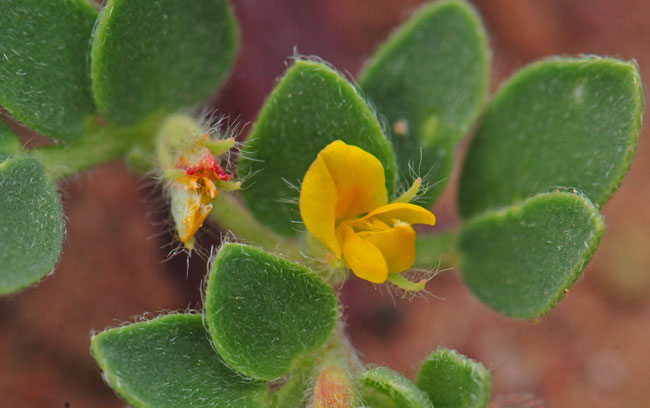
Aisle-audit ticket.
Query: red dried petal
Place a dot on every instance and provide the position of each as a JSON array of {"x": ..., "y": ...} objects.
[{"x": 207, "y": 167}]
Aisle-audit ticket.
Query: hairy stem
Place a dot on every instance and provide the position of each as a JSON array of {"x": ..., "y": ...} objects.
[
  {"x": 99, "y": 145},
  {"x": 232, "y": 215},
  {"x": 299, "y": 388}
]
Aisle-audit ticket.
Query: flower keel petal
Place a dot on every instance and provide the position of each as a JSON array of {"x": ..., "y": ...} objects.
[
  {"x": 397, "y": 245},
  {"x": 365, "y": 259}
]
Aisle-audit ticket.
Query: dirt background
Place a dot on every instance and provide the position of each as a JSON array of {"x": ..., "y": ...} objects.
[{"x": 591, "y": 351}]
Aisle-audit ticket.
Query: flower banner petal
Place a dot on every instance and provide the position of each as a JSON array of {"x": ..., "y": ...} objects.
[
  {"x": 358, "y": 176},
  {"x": 318, "y": 199}
]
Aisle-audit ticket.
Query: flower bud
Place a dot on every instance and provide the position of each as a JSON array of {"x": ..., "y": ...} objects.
[{"x": 333, "y": 389}]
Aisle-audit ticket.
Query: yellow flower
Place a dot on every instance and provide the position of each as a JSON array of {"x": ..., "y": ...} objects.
[{"x": 344, "y": 203}]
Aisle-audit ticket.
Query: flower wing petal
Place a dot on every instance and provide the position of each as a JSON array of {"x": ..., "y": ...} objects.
[
  {"x": 404, "y": 212},
  {"x": 365, "y": 259},
  {"x": 397, "y": 245}
]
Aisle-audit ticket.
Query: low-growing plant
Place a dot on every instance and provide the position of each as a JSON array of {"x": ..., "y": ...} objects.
[{"x": 333, "y": 176}]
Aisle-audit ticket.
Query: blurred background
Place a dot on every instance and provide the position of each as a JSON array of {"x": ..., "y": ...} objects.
[{"x": 591, "y": 351}]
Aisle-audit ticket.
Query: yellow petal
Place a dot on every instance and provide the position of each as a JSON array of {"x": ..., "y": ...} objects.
[
  {"x": 362, "y": 224},
  {"x": 318, "y": 199},
  {"x": 365, "y": 259},
  {"x": 375, "y": 224},
  {"x": 189, "y": 209},
  {"x": 397, "y": 245},
  {"x": 404, "y": 212},
  {"x": 358, "y": 176},
  {"x": 342, "y": 182}
]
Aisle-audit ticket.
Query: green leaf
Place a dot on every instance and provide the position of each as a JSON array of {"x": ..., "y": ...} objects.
[
  {"x": 265, "y": 313},
  {"x": 43, "y": 64},
  {"x": 169, "y": 362},
  {"x": 31, "y": 224},
  {"x": 438, "y": 250},
  {"x": 430, "y": 80},
  {"x": 311, "y": 107},
  {"x": 9, "y": 142},
  {"x": 520, "y": 260},
  {"x": 160, "y": 56},
  {"x": 382, "y": 387},
  {"x": 455, "y": 381},
  {"x": 557, "y": 123}
]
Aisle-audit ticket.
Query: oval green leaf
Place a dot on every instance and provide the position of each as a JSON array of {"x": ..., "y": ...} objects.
[
  {"x": 44, "y": 79},
  {"x": 557, "y": 123},
  {"x": 311, "y": 107},
  {"x": 454, "y": 381},
  {"x": 265, "y": 313},
  {"x": 9, "y": 142},
  {"x": 430, "y": 80},
  {"x": 169, "y": 362},
  {"x": 31, "y": 224},
  {"x": 439, "y": 250},
  {"x": 160, "y": 56},
  {"x": 382, "y": 387},
  {"x": 520, "y": 260}
]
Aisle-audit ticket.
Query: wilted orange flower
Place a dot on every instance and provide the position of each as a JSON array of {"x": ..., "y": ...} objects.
[{"x": 194, "y": 189}]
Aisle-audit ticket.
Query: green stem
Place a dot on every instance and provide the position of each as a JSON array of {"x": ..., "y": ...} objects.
[
  {"x": 294, "y": 392},
  {"x": 345, "y": 350},
  {"x": 437, "y": 250},
  {"x": 99, "y": 145},
  {"x": 298, "y": 388},
  {"x": 230, "y": 214}
]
